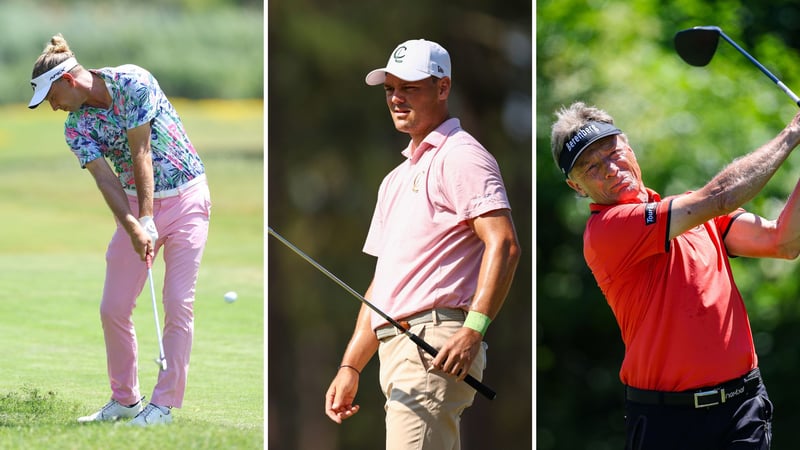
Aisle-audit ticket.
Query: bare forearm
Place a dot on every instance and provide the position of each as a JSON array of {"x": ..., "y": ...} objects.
[
  {"x": 113, "y": 194},
  {"x": 740, "y": 181},
  {"x": 117, "y": 201},
  {"x": 788, "y": 226},
  {"x": 363, "y": 344},
  {"x": 494, "y": 279},
  {"x": 142, "y": 158},
  {"x": 500, "y": 257},
  {"x": 143, "y": 176}
]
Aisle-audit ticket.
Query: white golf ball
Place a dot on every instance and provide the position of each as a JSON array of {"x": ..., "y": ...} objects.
[{"x": 231, "y": 296}]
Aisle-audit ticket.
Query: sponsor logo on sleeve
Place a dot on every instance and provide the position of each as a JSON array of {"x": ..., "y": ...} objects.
[{"x": 650, "y": 213}]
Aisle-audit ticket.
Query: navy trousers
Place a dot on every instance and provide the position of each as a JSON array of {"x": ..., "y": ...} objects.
[{"x": 740, "y": 424}]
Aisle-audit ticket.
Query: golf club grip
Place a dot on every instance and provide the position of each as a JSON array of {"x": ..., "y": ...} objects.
[{"x": 469, "y": 379}]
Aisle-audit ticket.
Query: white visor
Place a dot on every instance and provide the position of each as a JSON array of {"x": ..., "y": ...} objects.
[{"x": 41, "y": 84}]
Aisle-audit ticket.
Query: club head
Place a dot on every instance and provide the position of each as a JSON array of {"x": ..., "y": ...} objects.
[
  {"x": 697, "y": 45},
  {"x": 161, "y": 362}
]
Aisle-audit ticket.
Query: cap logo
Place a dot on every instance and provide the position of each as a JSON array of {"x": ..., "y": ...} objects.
[
  {"x": 399, "y": 54},
  {"x": 582, "y": 139},
  {"x": 41, "y": 84},
  {"x": 582, "y": 133},
  {"x": 57, "y": 74},
  {"x": 52, "y": 77},
  {"x": 411, "y": 61}
]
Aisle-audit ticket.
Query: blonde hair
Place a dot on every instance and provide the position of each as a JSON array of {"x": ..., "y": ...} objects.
[
  {"x": 55, "y": 52},
  {"x": 570, "y": 120}
]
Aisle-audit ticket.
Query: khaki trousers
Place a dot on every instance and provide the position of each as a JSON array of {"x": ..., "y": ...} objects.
[{"x": 423, "y": 406}]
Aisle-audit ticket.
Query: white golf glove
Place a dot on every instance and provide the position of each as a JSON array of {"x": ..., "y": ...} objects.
[{"x": 149, "y": 227}]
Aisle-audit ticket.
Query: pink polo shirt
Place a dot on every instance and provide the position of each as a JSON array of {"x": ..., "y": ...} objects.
[{"x": 428, "y": 257}]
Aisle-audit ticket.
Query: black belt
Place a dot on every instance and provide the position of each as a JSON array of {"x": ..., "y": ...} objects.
[{"x": 700, "y": 398}]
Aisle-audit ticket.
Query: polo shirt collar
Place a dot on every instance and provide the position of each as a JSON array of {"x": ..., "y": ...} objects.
[
  {"x": 652, "y": 195},
  {"x": 435, "y": 139}
]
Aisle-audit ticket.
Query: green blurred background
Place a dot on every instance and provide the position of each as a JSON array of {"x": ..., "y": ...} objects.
[
  {"x": 331, "y": 141},
  {"x": 685, "y": 123},
  {"x": 196, "y": 48}
]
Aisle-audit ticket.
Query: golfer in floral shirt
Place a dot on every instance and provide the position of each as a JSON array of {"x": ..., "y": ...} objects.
[{"x": 124, "y": 130}]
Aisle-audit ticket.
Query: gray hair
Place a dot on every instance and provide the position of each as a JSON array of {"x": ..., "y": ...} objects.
[{"x": 569, "y": 120}]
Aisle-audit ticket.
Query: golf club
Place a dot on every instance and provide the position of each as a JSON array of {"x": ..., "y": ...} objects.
[
  {"x": 697, "y": 45},
  {"x": 161, "y": 360},
  {"x": 475, "y": 384}
]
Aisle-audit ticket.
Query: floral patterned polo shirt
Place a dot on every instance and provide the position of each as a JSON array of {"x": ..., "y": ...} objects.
[{"x": 137, "y": 98}]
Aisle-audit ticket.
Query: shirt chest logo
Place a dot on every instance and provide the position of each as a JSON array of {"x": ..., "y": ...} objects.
[{"x": 419, "y": 178}]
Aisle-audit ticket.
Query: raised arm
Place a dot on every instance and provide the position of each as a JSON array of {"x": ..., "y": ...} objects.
[
  {"x": 736, "y": 184},
  {"x": 754, "y": 236}
]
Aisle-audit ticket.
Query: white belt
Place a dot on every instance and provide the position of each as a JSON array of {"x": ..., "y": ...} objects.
[{"x": 174, "y": 191}]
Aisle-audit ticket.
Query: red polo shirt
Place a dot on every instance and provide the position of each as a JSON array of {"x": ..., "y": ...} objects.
[{"x": 682, "y": 319}]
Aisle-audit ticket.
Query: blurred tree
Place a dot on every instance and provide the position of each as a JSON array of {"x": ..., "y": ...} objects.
[
  {"x": 331, "y": 141},
  {"x": 685, "y": 124},
  {"x": 196, "y": 49}
]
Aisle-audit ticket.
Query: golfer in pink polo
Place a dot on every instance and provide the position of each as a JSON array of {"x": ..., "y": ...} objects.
[
  {"x": 157, "y": 191},
  {"x": 446, "y": 253}
]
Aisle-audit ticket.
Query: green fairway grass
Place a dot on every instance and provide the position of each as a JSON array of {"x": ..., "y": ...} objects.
[{"x": 54, "y": 231}]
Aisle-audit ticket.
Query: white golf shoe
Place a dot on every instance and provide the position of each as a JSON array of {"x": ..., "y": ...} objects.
[
  {"x": 151, "y": 415},
  {"x": 112, "y": 411}
]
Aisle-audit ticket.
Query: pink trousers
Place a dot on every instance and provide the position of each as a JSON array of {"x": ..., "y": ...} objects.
[{"x": 182, "y": 223}]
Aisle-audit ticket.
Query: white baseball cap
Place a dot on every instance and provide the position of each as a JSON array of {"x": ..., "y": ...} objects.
[
  {"x": 414, "y": 60},
  {"x": 41, "y": 84}
]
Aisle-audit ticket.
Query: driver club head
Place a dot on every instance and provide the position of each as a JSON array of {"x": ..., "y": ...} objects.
[
  {"x": 697, "y": 45},
  {"x": 162, "y": 363}
]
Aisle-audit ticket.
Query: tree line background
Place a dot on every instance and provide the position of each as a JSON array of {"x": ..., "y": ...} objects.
[
  {"x": 331, "y": 141},
  {"x": 197, "y": 49},
  {"x": 684, "y": 123}
]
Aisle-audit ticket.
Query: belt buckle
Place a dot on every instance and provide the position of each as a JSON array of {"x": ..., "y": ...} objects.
[
  {"x": 397, "y": 331},
  {"x": 719, "y": 394}
]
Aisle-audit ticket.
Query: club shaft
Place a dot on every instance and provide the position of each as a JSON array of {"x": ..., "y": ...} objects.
[
  {"x": 162, "y": 359},
  {"x": 333, "y": 277},
  {"x": 469, "y": 379},
  {"x": 763, "y": 69}
]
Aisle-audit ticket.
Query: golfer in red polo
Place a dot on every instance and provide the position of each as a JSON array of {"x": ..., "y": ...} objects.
[{"x": 690, "y": 367}]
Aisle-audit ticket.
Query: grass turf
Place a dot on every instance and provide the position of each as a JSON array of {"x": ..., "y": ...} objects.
[{"x": 52, "y": 245}]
